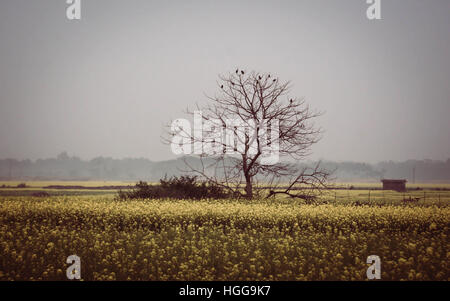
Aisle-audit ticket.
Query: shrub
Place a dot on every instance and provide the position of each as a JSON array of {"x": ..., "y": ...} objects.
[
  {"x": 183, "y": 187},
  {"x": 22, "y": 185}
]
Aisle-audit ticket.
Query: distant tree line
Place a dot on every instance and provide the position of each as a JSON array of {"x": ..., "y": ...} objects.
[{"x": 65, "y": 167}]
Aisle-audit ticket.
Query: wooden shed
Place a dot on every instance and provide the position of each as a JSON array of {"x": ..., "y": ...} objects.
[{"x": 391, "y": 184}]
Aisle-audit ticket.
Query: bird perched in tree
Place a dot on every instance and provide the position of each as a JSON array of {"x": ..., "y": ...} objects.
[
  {"x": 221, "y": 86},
  {"x": 237, "y": 70},
  {"x": 274, "y": 80},
  {"x": 290, "y": 100},
  {"x": 242, "y": 72},
  {"x": 259, "y": 77},
  {"x": 232, "y": 83},
  {"x": 268, "y": 76}
]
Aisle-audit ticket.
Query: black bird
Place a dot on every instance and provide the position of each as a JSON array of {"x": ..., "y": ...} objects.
[
  {"x": 221, "y": 86},
  {"x": 290, "y": 100},
  {"x": 237, "y": 70},
  {"x": 259, "y": 77},
  {"x": 274, "y": 80},
  {"x": 232, "y": 83},
  {"x": 268, "y": 76},
  {"x": 242, "y": 71}
]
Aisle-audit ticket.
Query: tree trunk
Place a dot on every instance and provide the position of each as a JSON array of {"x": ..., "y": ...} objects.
[{"x": 248, "y": 187}]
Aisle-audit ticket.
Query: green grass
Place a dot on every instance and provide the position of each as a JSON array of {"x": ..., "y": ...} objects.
[{"x": 40, "y": 184}]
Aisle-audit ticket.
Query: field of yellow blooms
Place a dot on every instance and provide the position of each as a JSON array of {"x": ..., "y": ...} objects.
[{"x": 220, "y": 240}]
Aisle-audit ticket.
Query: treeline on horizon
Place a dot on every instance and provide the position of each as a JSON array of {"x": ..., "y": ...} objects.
[{"x": 71, "y": 168}]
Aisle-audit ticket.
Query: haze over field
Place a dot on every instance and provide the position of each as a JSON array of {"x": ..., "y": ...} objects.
[
  {"x": 65, "y": 167},
  {"x": 105, "y": 85}
]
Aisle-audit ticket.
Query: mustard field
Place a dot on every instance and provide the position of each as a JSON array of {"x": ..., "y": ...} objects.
[{"x": 280, "y": 239}]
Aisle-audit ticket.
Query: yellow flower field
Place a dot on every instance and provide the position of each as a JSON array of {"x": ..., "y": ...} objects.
[{"x": 220, "y": 240}]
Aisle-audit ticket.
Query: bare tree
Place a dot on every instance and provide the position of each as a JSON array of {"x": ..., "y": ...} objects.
[{"x": 253, "y": 134}]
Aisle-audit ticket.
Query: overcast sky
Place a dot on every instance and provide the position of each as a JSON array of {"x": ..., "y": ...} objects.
[{"x": 106, "y": 85}]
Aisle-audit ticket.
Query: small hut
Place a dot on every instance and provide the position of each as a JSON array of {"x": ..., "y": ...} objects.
[{"x": 396, "y": 185}]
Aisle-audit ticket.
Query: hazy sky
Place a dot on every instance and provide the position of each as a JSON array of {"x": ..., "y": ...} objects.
[{"x": 106, "y": 85}]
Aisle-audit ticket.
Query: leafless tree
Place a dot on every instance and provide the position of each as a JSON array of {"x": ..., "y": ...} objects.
[{"x": 265, "y": 121}]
